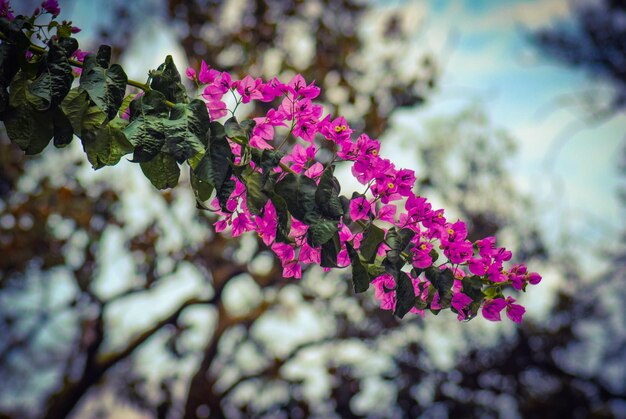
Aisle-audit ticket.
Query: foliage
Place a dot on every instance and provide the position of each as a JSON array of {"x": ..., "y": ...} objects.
[{"x": 163, "y": 128}]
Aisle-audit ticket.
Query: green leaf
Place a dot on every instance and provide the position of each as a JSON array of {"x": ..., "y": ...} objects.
[
  {"x": 69, "y": 45},
  {"x": 162, "y": 171},
  {"x": 126, "y": 103},
  {"x": 375, "y": 270},
  {"x": 30, "y": 129},
  {"x": 397, "y": 241},
  {"x": 329, "y": 252},
  {"x": 93, "y": 119},
  {"x": 9, "y": 66},
  {"x": 491, "y": 292},
  {"x": 105, "y": 85},
  {"x": 405, "y": 294},
  {"x": 74, "y": 106},
  {"x": 327, "y": 195},
  {"x": 235, "y": 131},
  {"x": 109, "y": 145},
  {"x": 166, "y": 80},
  {"x": 266, "y": 159},
  {"x": 256, "y": 198},
  {"x": 12, "y": 30},
  {"x": 63, "y": 132},
  {"x": 442, "y": 280},
  {"x": 215, "y": 167},
  {"x": 321, "y": 230},
  {"x": 55, "y": 80},
  {"x": 360, "y": 276},
  {"x": 299, "y": 193},
  {"x": 472, "y": 287},
  {"x": 186, "y": 130},
  {"x": 373, "y": 236},
  {"x": 284, "y": 219},
  {"x": 146, "y": 129},
  {"x": 201, "y": 189}
]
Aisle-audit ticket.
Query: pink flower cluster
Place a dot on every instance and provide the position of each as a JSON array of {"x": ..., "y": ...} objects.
[{"x": 388, "y": 198}]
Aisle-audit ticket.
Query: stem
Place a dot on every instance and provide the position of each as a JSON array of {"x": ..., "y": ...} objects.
[{"x": 293, "y": 124}]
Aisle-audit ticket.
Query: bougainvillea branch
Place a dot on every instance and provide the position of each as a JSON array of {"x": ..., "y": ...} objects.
[{"x": 281, "y": 187}]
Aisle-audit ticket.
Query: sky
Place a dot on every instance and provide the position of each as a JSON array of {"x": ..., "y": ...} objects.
[{"x": 569, "y": 165}]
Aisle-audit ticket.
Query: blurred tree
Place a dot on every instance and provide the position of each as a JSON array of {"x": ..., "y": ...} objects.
[
  {"x": 116, "y": 296},
  {"x": 64, "y": 308},
  {"x": 593, "y": 39}
]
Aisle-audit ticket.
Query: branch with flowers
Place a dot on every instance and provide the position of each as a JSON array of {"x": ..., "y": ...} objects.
[{"x": 280, "y": 186}]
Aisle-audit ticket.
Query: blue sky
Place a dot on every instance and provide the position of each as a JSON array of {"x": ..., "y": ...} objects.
[{"x": 569, "y": 165}]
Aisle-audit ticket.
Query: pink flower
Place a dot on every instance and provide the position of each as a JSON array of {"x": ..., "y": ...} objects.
[
  {"x": 52, "y": 7},
  {"x": 336, "y": 130},
  {"x": 250, "y": 89},
  {"x": 421, "y": 257},
  {"x": 241, "y": 224},
  {"x": 515, "y": 312},
  {"x": 190, "y": 73},
  {"x": 384, "y": 286},
  {"x": 207, "y": 74},
  {"x": 266, "y": 224},
  {"x": 298, "y": 88},
  {"x": 359, "y": 208},
  {"x": 310, "y": 254},
  {"x": 492, "y": 308},
  {"x": 387, "y": 213},
  {"x": 284, "y": 252},
  {"x": 5, "y": 10},
  {"x": 315, "y": 171},
  {"x": 292, "y": 270},
  {"x": 459, "y": 302}
]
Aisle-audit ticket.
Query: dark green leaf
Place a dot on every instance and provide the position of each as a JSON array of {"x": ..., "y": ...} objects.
[
  {"x": 12, "y": 30},
  {"x": 236, "y": 131},
  {"x": 329, "y": 252},
  {"x": 327, "y": 195},
  {"x": 442, "y": 280},
  {"x": 284, "y": 219},
  {"x": 166, "y": 80},
  {"x": 63, "y": 132},
  {"x": 248, "y": 125},
  {"x": 266, "y": 159},
  {"x": 109, "y": 145},
  {"x": 472, "y": 287},
  {"x": 69, "y": 45},
  {"x": 27, "y": 127},
  {"x": 74, "y": 106},
  {"x": 105, "y": 85},
  {"x": 201, "y": 189},
  {"x": 162, "y": 171},
  {"x": 256, "y": 198},
  {"x": 375, "y": 270},
  {"x": 215, "y": 167},
  {"x": 360, "y": 276},
  {"x": 55, "y": 80},
  {"x": 186, "y": 130},
  {"x": 299, "y": 193},
  {"x": 405, "y": 294},
  {"x": 9, "y": 66},
  {"x": 146, "y": 130},
  {"x": 397, "y": 241},
  {"x": 372, "y": 238},
  {"x": 321, "y": 230}
]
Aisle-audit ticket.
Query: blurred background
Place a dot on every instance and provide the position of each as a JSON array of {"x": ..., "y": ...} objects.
[{"x": 117, "y": 300}]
